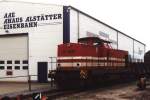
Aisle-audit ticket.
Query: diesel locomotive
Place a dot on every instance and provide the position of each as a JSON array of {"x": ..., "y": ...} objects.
[{"x": 92, "y": 60}]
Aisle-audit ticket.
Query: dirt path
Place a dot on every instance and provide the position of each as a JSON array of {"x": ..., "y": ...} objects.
[{"x": 118, "y": 92}]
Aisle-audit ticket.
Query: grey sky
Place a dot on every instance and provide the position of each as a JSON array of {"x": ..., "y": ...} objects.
[{"x": 129, "y": 16}]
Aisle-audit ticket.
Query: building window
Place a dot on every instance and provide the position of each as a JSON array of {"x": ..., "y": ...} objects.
[
  {"x": 2, "y": 62},
  {"x": 17, "y": 67},
  {"x": 25, "y": 61},
  {"x": 9, "y": 62},
  {"x": 17, "y": 61},
  {"x": 1, "y": 67},
  {"x": 25, "y": 67},
  {"x": 9, "y": 67}
]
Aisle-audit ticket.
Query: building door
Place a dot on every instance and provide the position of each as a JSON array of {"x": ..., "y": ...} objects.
[
  {"x": 14, "y": 56},
  {"x": 42, "y": 72}
]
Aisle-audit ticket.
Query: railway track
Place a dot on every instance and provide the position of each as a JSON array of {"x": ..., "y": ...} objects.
[
  {"x": 64, "y": 93},
  {"x": 61, "y": 93},
  {"x": 56, "y": 93},
  {"x": 49, "y": 95}
]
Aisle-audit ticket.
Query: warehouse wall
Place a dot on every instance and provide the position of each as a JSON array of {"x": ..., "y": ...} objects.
[
  {"x": 139, "y": 50},
  {"x": 83, "y": 25},
  {"x": 125, "y": 43},
  {"x": 44, "y": 33},
  {"x": 74, "y": 26}
]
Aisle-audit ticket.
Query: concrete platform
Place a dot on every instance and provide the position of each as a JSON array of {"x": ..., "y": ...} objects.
[{"x": 12, "y": 89}]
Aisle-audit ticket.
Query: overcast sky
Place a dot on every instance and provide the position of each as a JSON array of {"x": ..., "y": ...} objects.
[{"x": 129, "y": 16}]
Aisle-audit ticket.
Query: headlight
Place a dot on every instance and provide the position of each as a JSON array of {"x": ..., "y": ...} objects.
[{"x": 78, "y": 64}]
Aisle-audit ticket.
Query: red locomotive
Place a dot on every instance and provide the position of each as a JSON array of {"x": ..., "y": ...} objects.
[{"x": 88, "y": 60}]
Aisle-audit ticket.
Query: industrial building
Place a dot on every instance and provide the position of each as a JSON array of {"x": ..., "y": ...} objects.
[{"x": 30, "y": 33}]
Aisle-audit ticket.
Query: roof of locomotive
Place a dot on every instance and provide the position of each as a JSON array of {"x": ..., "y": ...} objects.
[{"x": 94, "y": 39}]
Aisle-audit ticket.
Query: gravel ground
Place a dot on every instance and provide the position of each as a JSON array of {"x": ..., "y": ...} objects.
[{"x": 117, "y": 92}]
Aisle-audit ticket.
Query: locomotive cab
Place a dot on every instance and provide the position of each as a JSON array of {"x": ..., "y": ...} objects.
[{"x": 95, "y": 41}]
